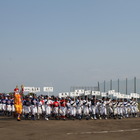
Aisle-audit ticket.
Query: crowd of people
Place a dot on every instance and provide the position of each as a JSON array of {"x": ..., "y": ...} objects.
[{"x": 46, "y": 107}]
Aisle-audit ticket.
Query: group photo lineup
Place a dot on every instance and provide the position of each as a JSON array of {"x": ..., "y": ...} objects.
[{"x": 79, "y": 104}]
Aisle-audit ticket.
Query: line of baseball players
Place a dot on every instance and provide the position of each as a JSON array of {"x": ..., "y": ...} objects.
[{"x": 44, "y": 107}]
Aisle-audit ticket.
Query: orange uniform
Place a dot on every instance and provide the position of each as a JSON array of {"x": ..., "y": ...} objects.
[{"x": 18, "y": 103}]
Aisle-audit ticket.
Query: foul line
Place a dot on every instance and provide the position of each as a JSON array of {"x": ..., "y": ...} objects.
[{"x": 103, "y": 132}]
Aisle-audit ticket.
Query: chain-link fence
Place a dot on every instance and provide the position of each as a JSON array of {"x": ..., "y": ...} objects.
[{"x": 125, "y": 86}]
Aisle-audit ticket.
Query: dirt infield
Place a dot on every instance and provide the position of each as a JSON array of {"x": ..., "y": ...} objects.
[{"x": 125, "y": 129}]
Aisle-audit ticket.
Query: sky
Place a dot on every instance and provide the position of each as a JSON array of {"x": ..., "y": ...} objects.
[{"x": 64, "y": 43}]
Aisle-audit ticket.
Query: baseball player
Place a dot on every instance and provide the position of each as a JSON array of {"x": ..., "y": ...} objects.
[{"x": 48, "y": 108}]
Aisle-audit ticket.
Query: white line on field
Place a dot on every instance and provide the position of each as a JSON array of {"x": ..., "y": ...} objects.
[{"x": 101, "y": 132}]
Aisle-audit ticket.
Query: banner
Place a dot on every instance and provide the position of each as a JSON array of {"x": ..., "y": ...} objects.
[
  {"x": 32, "y": 89},
  {"x": 103, "y": 94},
  {"x": 127, "y": 96},
  {"x": 64, "y": 94},
  {"x": 134, "y": 95},
  {"x": 87, "y": 92},
  {"x": 111, "y": 92},
  {"x": 48, "y": 89},
  {"x": 96, "y": 93},
  {"x": 80, "y": 91},
  {"x": 121, "y": 96},
  {"x": 27, "y": 89},
  {"x": 72, "y": 94},
  {"x": 116, "y": 94}
]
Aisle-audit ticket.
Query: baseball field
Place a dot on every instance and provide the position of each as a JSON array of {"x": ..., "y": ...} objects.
[{"x": 124, "y": 129}]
